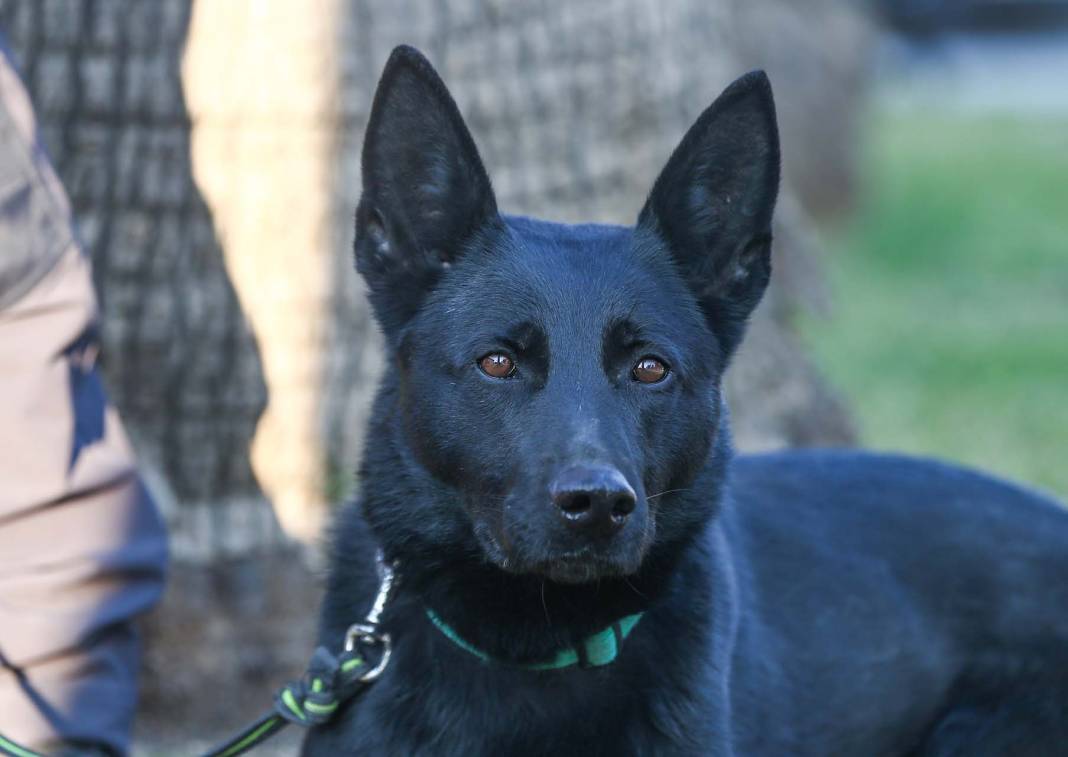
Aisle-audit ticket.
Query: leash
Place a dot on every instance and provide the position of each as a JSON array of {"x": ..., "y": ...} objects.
[{"x": 329, "y": 681}]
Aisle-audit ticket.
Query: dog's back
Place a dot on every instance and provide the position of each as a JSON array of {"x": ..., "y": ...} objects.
[{"x": 897, "y": 595}]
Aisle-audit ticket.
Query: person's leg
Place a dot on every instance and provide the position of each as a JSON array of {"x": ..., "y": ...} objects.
[{"x": 82, "y": 548}]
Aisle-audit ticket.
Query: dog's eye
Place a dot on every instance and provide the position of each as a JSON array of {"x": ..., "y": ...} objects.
[
  {"x": 497, "y": 365},
  {"x": 649, "y": 370}
]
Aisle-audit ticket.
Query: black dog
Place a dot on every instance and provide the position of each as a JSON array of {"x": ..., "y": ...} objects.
[{"x": 585, "y": 568}]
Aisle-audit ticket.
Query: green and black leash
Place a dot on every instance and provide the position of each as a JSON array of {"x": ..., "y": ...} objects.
[
  {"x": 311, "y": 701},
  {"x": 329, "y": 682}
]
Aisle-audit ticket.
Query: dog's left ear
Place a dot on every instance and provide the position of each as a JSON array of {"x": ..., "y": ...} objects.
[
  {"x": 425, "y": 191},
  {"x": 713, "y": 202}
]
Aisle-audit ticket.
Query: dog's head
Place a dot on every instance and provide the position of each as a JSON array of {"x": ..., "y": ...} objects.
[{"x": 561, "y": 384}]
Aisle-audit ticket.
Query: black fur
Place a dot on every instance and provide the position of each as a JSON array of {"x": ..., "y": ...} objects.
[{"x": 819, "y": 603}]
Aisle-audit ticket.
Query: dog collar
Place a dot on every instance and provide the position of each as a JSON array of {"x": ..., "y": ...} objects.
[{"x": 594, "y": 651}]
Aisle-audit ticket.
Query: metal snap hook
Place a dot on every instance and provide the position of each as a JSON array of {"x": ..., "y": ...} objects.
[{"x": 369, "y": 634}]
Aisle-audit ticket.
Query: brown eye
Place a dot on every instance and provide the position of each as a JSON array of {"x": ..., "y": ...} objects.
[
  {"x": 497, "y": 365},
  {"x": 649, "y": 370}
]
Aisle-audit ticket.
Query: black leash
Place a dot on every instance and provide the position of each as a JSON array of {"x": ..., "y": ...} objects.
[{"x": 329, "y": 682}]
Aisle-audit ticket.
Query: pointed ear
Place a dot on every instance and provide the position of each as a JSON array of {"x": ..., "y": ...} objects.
[
  {"x": 713, "y": 202},
  {"x": 425, "y": 191}
]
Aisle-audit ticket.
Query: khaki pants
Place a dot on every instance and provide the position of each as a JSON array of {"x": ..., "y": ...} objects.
[{"x": 82, "y": 548}]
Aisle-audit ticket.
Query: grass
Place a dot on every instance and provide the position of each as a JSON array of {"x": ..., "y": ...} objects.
[{"x": 950, "y": 326}]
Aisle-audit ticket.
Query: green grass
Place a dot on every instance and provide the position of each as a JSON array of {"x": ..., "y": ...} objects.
[{"x": 949, "y": 333}]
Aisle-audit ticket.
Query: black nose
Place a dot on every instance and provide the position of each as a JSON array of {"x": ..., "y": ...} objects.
[{"x": 593, "y": 499}]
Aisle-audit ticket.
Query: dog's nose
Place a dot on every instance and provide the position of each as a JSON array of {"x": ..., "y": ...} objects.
[{"x": 593, "y": 499}]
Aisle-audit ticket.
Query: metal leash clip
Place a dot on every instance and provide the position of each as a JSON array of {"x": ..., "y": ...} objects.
[{"x": 367, "y": 631}]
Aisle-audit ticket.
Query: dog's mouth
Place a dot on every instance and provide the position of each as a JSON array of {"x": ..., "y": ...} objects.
[
  {"x": 583, "y": 566},
  {"x": 575, "y": 566}
]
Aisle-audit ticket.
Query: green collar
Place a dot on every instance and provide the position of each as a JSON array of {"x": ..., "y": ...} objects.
[{"x": 594, "y": 651}]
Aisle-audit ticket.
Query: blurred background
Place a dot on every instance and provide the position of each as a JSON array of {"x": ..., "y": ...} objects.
[{"x": 211, "y": 151}]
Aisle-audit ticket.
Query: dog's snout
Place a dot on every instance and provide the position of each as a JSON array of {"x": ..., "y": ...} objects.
[{"x": 593, "y": 499}]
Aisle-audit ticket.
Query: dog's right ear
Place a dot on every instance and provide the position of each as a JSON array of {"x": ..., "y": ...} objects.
[{"x": 425, "y": 191}]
